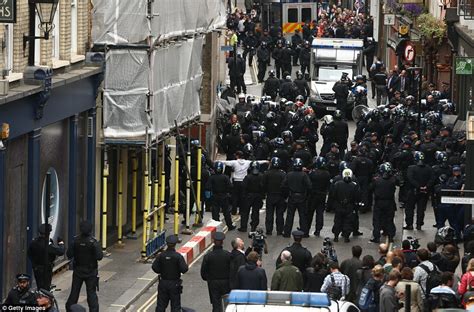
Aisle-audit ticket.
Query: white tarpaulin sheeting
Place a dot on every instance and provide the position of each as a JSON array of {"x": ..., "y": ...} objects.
[
  {"x": 172, "y": 81},
  {"x": 125, "y": 21}
]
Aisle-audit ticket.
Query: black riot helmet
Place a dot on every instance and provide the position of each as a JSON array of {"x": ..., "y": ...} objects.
[{"x": 297, "y": 164}]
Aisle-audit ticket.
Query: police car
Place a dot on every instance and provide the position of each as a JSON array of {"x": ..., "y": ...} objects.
[{"x": 261, "y": 301}]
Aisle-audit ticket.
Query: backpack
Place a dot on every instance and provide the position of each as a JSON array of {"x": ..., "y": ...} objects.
[
  {"x": 334, "y": 291},
  {"x": 366, "y": 300},
  {"x": 433, "y": 280}
]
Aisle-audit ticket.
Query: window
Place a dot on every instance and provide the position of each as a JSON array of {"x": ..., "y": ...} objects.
[
  {"x": 292, "y": 15},
  {"x": 306, "y": 15},
  {"x": 54, "y": 37},
  {"x": 73, "y": 27},
  {"x": 38, "y": 32},
  {"x": 8, "y": 50},
  {"x": 466, "y": 9}
]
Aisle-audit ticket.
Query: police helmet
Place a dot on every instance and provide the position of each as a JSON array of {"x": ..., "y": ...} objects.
[
  {"x": 299, "y": 74},
  {"x": 283, "y": 102},
  {"x": 338, "y": 114},
  {"x": 419, "y": 158},
  {"x": 300, "y": 98},
  {"x": 264, "y": 44},
  {"x": 271, "y": 73},
  {"x": 297, "y": 164},
  {"x": 308, "y": 119},
  {"x": 445, "y": 235},
  {"x": 343, "y": 165},
  {"x": 319, "y": 162},
  {"x": 385, "y": 170},
  {"x": 241, "y": 96},
  {"x": 360, "y": 77},
  {"x": 235, "y": 129},
  {"x": 254, "y": 167},
  {"x": 271, "y": 116},
  {"x": 248, "y": 115},
  {"x": 441, "y": 157},
  {"x": 248, "y": 149},
  {"x": 276, "y": 162},
  {"x": 287, "y": 134},
  {"x": 347, "y": 175},
  {"x": 279, "y": 142},
  {"x": 219, "y": 167},
  {"x": 386, "y": 112}
]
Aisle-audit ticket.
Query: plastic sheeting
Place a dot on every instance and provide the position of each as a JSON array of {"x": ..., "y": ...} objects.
[
  {"x": 125, "y": 21},
  {"x": 172, "y": 83}
]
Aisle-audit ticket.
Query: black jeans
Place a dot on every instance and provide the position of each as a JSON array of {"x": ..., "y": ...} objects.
[
  {"x": 237, "y": 196},
  {"x": 221, "y": 203},
  {"x": 217, "y": 289},
  {"x": 43, "y": 276},
  {"x": 343, "y": 222},
  {"x": 418, "y": 201},
  {"x": 254, "y": 202},
  {"x": 316, "y": 205},
  {"x": 262, "y": 68},
  {"x": 293, "y": 205},
  {"x": 275, "y": 205},
  {"x": 91, "y": 287},
  {"x": 169, "y": 291},
  {"x": 382, "y": 219}
]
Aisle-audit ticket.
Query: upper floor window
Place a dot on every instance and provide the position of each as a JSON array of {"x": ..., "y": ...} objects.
[{"x": 466, "y": 9}]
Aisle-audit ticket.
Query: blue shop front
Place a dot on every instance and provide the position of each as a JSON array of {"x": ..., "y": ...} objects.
[{"x": 46, "y": 128}]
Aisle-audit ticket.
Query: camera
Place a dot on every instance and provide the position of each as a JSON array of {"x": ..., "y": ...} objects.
[
  {"x": 328, "y": 250},
  {"x": 258, "y": 241},
  {"x": 415, "y": 244}
]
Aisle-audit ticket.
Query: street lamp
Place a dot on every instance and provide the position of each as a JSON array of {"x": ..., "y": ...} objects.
[{"x": 46, "y": 10}]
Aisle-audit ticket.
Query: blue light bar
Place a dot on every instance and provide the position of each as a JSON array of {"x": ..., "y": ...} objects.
[{"x": 254, "y": 297}]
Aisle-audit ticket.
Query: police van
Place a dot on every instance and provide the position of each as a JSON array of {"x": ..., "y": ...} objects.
[
  {"x": 330, "y": 58},
  {"x": 275, "y": 301}
]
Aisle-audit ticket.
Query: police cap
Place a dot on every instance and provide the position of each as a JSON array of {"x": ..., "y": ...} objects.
[
  {"x": 297, "y": 234},
  {"x": 23, "y": 277},
  {"x": 334, "y": 145},
  {"x": 45, "y": 227},
  {"x": 172, "y": 239},
  {"x": 219, "y": 236},
  {"x": 85, "y": 227},
  {"x": 45, "y": 293}
]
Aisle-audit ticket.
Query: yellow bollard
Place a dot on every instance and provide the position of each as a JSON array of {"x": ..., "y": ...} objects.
[
  {"x": 176, "y": 193},
  {"x": 105, "y": 175},
  {"x": 134, "y": 192},
  {"x": 145, "y": 203},
  {"x": 163, "y": 187},
  {"x": 156, "y": 201},
  {"x": 198, "y": 186},
  {"x": 120, "y": 197}
]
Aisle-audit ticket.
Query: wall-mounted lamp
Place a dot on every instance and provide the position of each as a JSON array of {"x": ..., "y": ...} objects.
[{"x": 46, "y": 10}]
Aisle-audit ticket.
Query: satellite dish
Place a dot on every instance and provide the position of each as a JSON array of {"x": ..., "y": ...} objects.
[{"x": 359, "y": 111}]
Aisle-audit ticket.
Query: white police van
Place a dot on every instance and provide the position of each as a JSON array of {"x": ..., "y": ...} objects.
[{"x": 275, "y": 301}]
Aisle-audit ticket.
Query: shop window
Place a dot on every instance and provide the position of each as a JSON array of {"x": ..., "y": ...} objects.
[{"x": 466, "y": 9}]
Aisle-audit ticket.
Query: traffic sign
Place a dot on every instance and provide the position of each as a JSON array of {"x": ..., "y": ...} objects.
[
  {"x": 409, "y": 52},
  {"x": 457, "y": 200}
]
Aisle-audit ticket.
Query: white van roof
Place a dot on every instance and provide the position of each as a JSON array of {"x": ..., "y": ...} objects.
[{"x": 335, "y": 43}]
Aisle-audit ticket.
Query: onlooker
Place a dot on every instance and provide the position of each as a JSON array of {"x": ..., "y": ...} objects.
[
  {"x": 383, "y": 250},
  {"x": 287, "y": 277},
  {"x": 334, "y": 280},
  {"x": 423, "y": 269},
  {"x": 251, "y": 276},
  {"x": 364, "y": 273},
  {"x": 466, "y": 287},
  {"x": 435, "y": 256},
  {"x": 468, "y": 255},
  {"x": 388, "y": 295},
  {"x": 450, "y": 255},
  {"x": 315, "y": 274},
  {"x": 415, "y": 290},
  {"x": 373, "y": 285},
  {"x": 443, "y": 296},
  {"x": 237, "y": 259},
  {"x": 388, "y": 262},
  {"x": 410, "y": 255},
  {"x": 349, "y": 267}
]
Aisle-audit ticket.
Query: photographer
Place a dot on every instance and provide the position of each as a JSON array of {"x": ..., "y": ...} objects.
[{"x": 410, "y": 254}]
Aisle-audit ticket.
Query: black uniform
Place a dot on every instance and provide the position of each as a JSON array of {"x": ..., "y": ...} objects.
[
  {"x": 219, "y": 185},
  {"x": 320, "y": 180},
  {"x": 363, "y": 169},
  {"x": 20, "y": 296},
  {"x": 303, "y": 87},
  {"x": 298, "y": 186},
  {"x": 253, "y": 200},
  {"x": 250, "y": 44},
  {"x": 305, "y": 58},
  {"x": 346, "y": 197},
  {"x": 300, "y": 256},
  {"x": 236, "y": 67},
  {"x": 286, "y": 55},
  {"x": 277, "y": 56},
  {"x": 85, "y": 252},
  {"x": 215, "y": 270},
  {"x": 328, "y": 133},
  {"x": 288, "y": 90},
  {"x": 341, "y": 134},
  {"x": 418, "y": 177},
  {"x": 170, "y": 265},
  {"x": 263, "y": 58},
  {"x": 275, "y": 205},
  {"x": 341, "y": 92},
  {"x": 42, "y": 265},
  {"x": 271, "y": 87},
  {"x": 384, "y": 206}
]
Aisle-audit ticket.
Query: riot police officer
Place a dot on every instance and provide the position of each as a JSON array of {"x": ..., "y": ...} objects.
[
  {"x": 42, "y": 253},
  {"x": 263, "y": 58},
  {"x": 328, "y": 133},
  {"x": 302, "y": 85},
  {"x": 218, "y": 187},
  {"x": 297, "y": 185},
  {"x": 232, "y": 141},
  {"x": 275, "y": 204},
  {"x": 286, "y": 55},
  {"x": 346, "y": 197},
  {"x": 420, "y": 179},
  {"x": 305, "y": 58},
  {"x": 21, "y": 294},
  {"x": 215, "y": 270},
  {"x": 272, "y": 85},
  {"x": 363, "y": 167},
  {"x": 85, "y": 252},
  {"x": 169, "y": 265},
  {"x": 341, "y": 92},
  {"x": 253, "y": 201},
  {"x": 384, "y": 187},
  {"x": 341, "y": 132},
  {"x": 320, "y": 181}
]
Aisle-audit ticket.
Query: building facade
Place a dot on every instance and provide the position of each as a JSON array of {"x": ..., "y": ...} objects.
[{"x": 48, "y": 115}]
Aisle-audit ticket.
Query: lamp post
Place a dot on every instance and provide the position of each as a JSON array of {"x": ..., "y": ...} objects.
[{"x": 46, "y": 10}]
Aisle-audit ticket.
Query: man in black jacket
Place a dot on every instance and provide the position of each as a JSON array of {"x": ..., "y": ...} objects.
[
  {"x": 301, "y": 257},
  {"x": 169, "y": 265},
  {"x": 272, "y": 85},
  {"x": 253, "y": 198},
  {"x": 236, "y": 67},
  {"x": 275, "y": 204},
  {"x": 305, "y": 58},
  {"x": 341, "y": 132},
  {"x": 320, "y": 181},
  {"x": 341, "y": 92},
  {"x": 237, "y": 259},
  {"x": 263, "y": 58},
  {"x": 250, "y": 276},
  {"x": 302, "y": 85},
  {"x": 250, "y": 44},
  {"x": 85, "y": 252},
  {"x": 215, "y": 270},
  {"x": 277, "y": 56}
]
